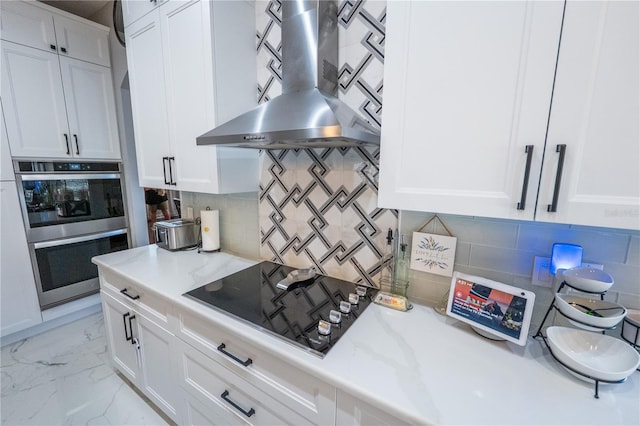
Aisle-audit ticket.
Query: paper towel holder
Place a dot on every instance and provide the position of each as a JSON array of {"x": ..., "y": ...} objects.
[{"x": 201, "y": 243}]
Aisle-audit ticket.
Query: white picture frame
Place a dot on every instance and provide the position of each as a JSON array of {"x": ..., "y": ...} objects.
[{"x": 433, "y": 253}]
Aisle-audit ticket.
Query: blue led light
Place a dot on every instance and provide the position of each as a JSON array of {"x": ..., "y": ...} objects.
[{"x": 565, "y": 256}]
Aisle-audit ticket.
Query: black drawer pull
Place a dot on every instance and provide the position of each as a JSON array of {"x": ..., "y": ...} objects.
[
  {"x": 164, "y": 170},
  {"x": 249, "y": 413},
  {"x": 66, "y": 139},
  {"x": 126, "y": 293},
  {"x": 233, "y": 357},
  {"x": 133, "y": 341},
  {"x": 53, "y": 47},
  {"x": 77, "y": 147},
  {"x": 525, "y": 183},
  {"x": 124, "y": 320},
  {"x": 63, "y": 50},
  {"x": 553, "y": 207}
]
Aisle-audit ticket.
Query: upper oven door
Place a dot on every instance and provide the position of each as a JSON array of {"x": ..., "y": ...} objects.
[{"x": 59, "y": 205}]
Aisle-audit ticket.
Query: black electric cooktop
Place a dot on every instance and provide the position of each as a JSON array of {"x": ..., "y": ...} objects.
[{"x": 251, "y": 295}]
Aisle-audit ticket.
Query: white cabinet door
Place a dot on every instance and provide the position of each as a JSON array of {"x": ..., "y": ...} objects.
[
  {"x": 28, "y": 25},
  {"x": 33, "y": 103},
  {"x": 158, "y": 352},
  {"x": 354, "y": 412},
  {"x": 189, "y": 86},
  {"x": 148, "y": 100},
  {"x": 91, "y": 109},
  {"x": 595, "y": 113},
  {"x": 118, "y": 323},
  {"x": 467, "y": 89},
  {"x": 81, "y": 40},
  {"x": 18, "y": 297}
]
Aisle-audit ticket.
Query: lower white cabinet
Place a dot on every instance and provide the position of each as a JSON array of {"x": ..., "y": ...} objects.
[
  {"x": 199, "y": 372},
  {"x": 143, "y": 351},
  {"x": 227, "y": 397},
  {"x": 19, "y": 308}
]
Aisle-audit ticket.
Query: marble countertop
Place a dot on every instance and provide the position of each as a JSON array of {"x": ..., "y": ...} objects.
[{"x": 417, "y": 365}]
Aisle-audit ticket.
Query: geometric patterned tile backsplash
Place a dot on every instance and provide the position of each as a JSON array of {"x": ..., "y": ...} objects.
[{"x": 319, "y": 206}]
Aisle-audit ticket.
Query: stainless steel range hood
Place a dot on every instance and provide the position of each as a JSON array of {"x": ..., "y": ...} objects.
[{"x": 308, "y": 114}]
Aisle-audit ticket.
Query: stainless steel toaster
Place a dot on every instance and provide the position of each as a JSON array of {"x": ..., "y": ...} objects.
[{"x": 176, "y": 234}]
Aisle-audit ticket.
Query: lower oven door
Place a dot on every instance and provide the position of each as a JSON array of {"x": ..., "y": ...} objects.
[{"x": 63, "y": 268}]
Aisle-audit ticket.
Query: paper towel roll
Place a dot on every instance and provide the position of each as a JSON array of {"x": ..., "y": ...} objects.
[{"x": 210, "y": 230}]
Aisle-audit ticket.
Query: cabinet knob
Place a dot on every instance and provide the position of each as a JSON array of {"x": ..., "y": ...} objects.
[
  {"x": 52, "y": 46},
  {"x": 63, "y": 50}
]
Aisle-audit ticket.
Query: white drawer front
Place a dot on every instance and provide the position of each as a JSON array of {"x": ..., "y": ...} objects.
[
  {"x": 298, "y": 390},
  {"x": 154, "y": 307},
  {"x": 217, "y": 387}
]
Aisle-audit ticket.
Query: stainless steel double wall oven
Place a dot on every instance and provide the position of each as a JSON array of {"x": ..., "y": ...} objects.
[{"x": 72, "y": 211}]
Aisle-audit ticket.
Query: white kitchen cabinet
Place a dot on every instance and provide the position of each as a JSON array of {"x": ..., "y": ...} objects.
[
  {"x": 227, "y": 396},
  {"x": 44, "y": 27},
  {"x": 596, "y": 115},
  {"x": 57, "y": 107},
  {"x": 143, "y": 351},
  {"x": 19, "y": 307},
  {"x": 468, "y": 88},
  {"x": 191, "y": 67},
  {"x": 352, "y": 411},
  {"x": 296, "y": 389}
]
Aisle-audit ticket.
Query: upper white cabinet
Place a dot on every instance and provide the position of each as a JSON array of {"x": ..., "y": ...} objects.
[
  {"x": 191, "y": 67},
  {"x": 57, "y": 107},
  {"x": 57, "y": 90},
  {"x": 37, "y": 25},
  {"x": 468, "y": 90},
  {"x": 596, "y": 114}
]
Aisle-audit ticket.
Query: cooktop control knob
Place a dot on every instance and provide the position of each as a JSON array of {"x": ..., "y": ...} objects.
[
  {"x": 361, "y": 291},
  {"x": 353, "y": 298},
  {"x": 324, "y": 328},
  {"x": 345, "y": 307},
  {"x": 335, "y": 317}
]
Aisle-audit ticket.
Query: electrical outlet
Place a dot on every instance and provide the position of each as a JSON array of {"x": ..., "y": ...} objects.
[
  {"x": 541, "y": 275},
  {"x": 592, "y": 265}
]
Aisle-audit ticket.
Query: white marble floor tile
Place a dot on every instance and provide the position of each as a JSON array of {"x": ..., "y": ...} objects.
[{"x": 64, "y": 377}]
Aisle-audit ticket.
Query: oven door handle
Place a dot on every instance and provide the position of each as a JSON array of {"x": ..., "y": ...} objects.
[
  {"x": 67, "y": 176},
  {"x": 83, "y": 238}
]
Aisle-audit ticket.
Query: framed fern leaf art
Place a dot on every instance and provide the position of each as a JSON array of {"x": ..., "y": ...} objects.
[{"x": 433, "y": 253}]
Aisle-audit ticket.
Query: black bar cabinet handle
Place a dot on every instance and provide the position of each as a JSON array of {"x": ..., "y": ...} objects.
[
  {"x": 164, "y": 170},
  {"x": 233, "y": 357},
  {"x": 126, "y": 293},
  {"x": 553, "y": 207},
  {"x": 131, "y": 318},
  {"x": 66, "y": 140},
  {"x": 77, "y": 146},
  {"x": 173, "y": 182},
  {"x": 525, "y": 183},
  {"x": 126, "y": 334},
  {"x": 225, "y": 396}
]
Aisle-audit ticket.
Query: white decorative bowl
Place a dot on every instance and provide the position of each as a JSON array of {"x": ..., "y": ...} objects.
[
  {"x": 590, "y": 312},
  {"x": 588, "y": 279},
  {"x": 596, "y": 355}
]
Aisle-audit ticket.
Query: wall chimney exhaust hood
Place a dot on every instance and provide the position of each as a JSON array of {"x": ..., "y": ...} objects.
[{"x": 308, "y": 114}]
